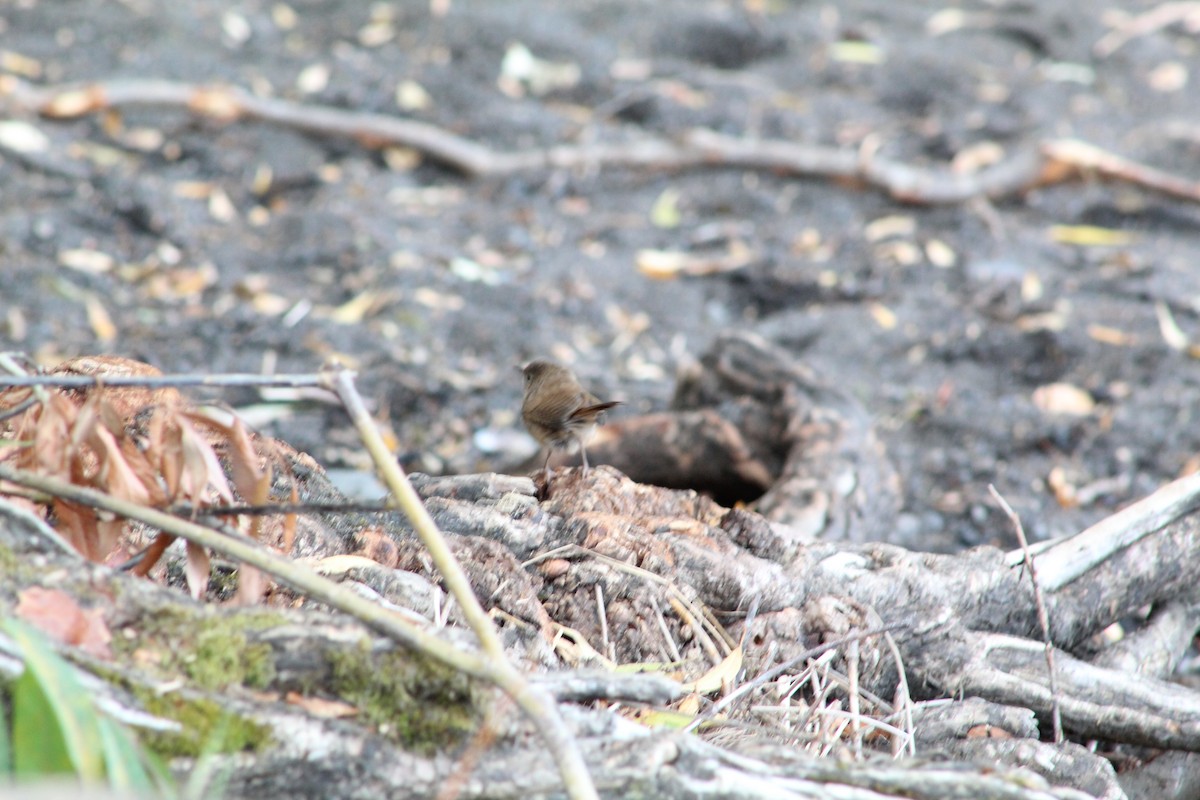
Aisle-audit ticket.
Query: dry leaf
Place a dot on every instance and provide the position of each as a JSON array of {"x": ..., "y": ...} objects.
[
  {"x": 889, "y": 227},
  {"x": 988, "y": 732},
  {"x": 665, "y": 719},
  {"x": 20, "y": 64},
  {"x": 355, "y": 310},
  {"x": 940, "y": 254},
  {"x": 688, "y": 708},
  {"x": 220, "y": 207},
  {"x": 1090, "y": 236},
  {"x": 252, "y": 586},
  {"x": 521, "y": 71},
  {"x": 1172, "y": 334},
  {"x": 56, "y": 613},
  {"x": 1170, "y": 76},
  {"x": 377, "y": 546},
  {"x": 318, "y": 707},
  {"x": 313, "y": 78},
  {"x": 201, "y": 468},
  {"x": 1064, "y": 491},
  {"x": 411, "y": 96},
  {"x": 1113, "y": 336},
  {"x": 197, "y": 569},
  {"x": 977, "y": 156},
  {"x": 856, "y": 51},
  {"x": 1063, "y": 398},
  {"x": 884, "y": 317},
  {"x": 669, "y": 264},
  {"x": 21, "y": 137},
  {"x": 665, "y": 211},
  {"x": 82, "y": 259},
  {"x": 720, "y": 676}
]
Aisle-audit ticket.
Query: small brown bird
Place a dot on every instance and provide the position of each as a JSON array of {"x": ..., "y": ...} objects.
[{"x": 557, "y": 410}]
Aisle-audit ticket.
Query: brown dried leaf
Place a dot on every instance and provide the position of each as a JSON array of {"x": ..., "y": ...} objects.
[
  {"x": 153, "y": 553},
  {"x": 253, "y": 482},
  {"x": 197, "y": 569},
  {"x": 166, "y": 447},
  {"x": 201, "y": 469},
  {"x": 108, "y": 535},
  {"x": 83, "y": 428},
  {"x": 58, "y": 614},
  {"x": 128, "y": 401},
  {"x": 377, "y": 546},
  {"x": 252, "y": 586},
  {"x": 329, "y": 709},
  {"x": 1063, "y": 398},
  {"x": 52, "y": 435},
  {"x": 77, "y": 525},
  {"x": 115, "y": 475},
  {"x": 719, "y": 677}
]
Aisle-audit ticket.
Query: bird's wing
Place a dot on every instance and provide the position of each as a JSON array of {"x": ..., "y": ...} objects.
[{"x": 593, "y": 408}]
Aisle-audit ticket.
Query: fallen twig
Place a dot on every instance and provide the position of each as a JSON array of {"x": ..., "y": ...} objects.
[
  {"x": 162, "y": 381},
  {"x": 533, "y": 702},
  {"x": 498, "y": 671},
  {"x": 1147, "y": 22},
  {"x": 1043, "y": 617},
  {"x": 1023, "y": 170},
  {"x": 492, "y": 665},
  {"x": 1062, "y": 562}
]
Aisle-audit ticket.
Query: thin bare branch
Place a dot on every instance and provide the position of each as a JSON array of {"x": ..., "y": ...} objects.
[
  {"x": 535, "y": 704},
  {"x": 1023, "y": 169},
  {"x": 162, "y": 381},
  {"x": 1043, "y": 616}
]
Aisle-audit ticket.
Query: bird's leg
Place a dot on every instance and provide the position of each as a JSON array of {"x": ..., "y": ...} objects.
[
  {"x": 546, "y": 465},
  {"x": 583, "y": 452}
]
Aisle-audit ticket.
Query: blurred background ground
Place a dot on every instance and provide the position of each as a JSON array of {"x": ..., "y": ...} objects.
[{"x": 202, "y": 247}]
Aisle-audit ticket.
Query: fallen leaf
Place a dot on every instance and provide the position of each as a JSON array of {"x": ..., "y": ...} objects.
[
  {"x": 355, "y": 310},
  {"x": 667, "y": 720},
  {"x": 854, "y": 51},
  {"x": 1172, "y": 334},
  {"x": 940, "y": 254},
  {"x": 101, "y": 321},
  {"x": 197, "y": 569},
  {"x": 976, "y": 157},
  {"x": 1090, "y": 236},
  {"x": 521, "y": 71},
  {"x": 1113, "y": 336},
  {"x": 889, "y": 227},
  {"x": 313, "y": 78},
  {"x": 20, "y": 64},
  {"x": 21, "y": 137},
  {"x": 665, "y": 211},
  {"x": 884, "y": 317},
  {"x": 320, "y": 707},
  {"x": 1063, "y": 398},
  {"x": 56, "y": 613},
  {"x": 82, "y": 259},
  {"x": 720, "y": 676},
  {"x": 411, "y": 96},
  {"x": 1064, "y": 491}
]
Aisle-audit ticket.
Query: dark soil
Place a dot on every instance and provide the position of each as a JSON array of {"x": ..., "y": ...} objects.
[{"x": 215, "y": 268}]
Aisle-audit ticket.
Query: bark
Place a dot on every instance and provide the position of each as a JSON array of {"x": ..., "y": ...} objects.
[{"x": 596, "y": 570}]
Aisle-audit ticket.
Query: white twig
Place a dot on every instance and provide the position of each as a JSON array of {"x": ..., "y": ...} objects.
[{"x": 1043, "y": 617}]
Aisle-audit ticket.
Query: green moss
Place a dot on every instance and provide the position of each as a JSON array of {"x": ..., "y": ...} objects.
[
  {"x": 418, "y": 703},
  {"x": 205, "y": 727},
  {"x": 209, "y": 646},
  {"x": 9, "y": 563},
  {"x": 221, "y": 656}
]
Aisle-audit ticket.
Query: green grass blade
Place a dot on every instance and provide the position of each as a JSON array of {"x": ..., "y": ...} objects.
[{"x": 55, "y": 725}]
